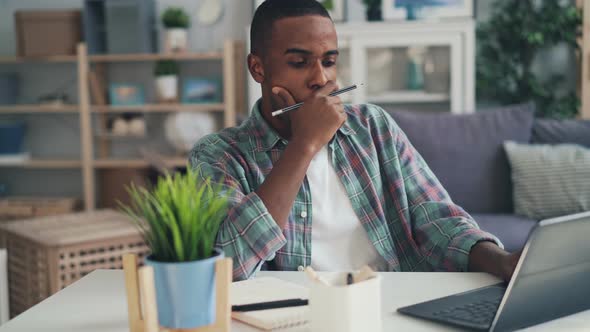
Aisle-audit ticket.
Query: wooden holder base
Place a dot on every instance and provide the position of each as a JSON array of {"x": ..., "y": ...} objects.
[{"x": 141, "y": 293}]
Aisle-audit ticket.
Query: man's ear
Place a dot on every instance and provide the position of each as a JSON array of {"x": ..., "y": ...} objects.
[{"x": 256, "y": 68}]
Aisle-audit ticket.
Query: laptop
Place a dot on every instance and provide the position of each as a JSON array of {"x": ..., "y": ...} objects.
[{"x": 550, "y": 281}]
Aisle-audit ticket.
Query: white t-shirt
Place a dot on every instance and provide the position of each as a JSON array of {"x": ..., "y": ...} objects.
[{"x": 338, "y": 240}]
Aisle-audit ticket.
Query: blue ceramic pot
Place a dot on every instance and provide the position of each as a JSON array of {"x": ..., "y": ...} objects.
[{"x": 185, "y": 292}]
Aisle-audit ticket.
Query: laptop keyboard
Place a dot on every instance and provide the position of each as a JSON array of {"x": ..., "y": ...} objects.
[{"x": 480, "y": 312}]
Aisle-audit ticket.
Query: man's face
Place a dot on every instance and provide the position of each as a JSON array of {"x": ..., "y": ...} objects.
[{"x": 301, "y": 55}]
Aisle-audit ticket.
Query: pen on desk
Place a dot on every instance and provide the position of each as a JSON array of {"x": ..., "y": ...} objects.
[
  {"x": 269, "y": 305},
  {"x": 296, "y": 106}
]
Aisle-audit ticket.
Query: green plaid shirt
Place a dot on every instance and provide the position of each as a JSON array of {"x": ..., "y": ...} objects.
[{"x": 408, "y": 216}]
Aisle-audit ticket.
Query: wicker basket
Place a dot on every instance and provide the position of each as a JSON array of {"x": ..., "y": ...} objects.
[
  {"x": 28, "y": 207},
  {"x": 47, "y": 254}
]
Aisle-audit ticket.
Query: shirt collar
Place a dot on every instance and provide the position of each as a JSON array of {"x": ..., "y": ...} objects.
[{"x": 266, "y": 137}]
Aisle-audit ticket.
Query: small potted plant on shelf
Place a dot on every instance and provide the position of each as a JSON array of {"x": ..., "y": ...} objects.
[
  {"x": 179, "y": 219},
  {"x": 176, "y": 21},
  {"x": 166, "y": 72},
  {"x": 373, "y": 10}
]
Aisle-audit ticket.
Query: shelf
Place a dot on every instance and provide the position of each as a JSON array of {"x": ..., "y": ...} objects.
[
  {"x": 397, "y": 97},
  {"x": 163, "y": 108},
  {"x": 155, "y": 57},
  {"x": 36, "y": 108},
  {"x": 138, "y": 163},
  {"x": 120, "y": 137},
  {"x": 51, "y": 58},
  {"x": 45, "y": 164}
]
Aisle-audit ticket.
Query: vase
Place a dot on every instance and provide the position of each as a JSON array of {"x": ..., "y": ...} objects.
[
  {"x": 415, "y": 78},
  {"x": 167, "y": 88},
  {"x": 185, "y": 292},
  {"x": 176, "y": 40},
  {"x": 413, "y": 12}
]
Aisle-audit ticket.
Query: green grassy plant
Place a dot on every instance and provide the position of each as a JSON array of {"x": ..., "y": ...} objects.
[
  {"x": 175, "y": 17},
  {"x": 179, "y": 217},
  {"x": 166, "y": 67}
]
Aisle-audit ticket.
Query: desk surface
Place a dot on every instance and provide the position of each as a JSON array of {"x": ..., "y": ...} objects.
[{"x": 97, "y": 302}]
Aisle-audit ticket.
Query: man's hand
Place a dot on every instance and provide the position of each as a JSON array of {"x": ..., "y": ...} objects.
[
  {"x": 486, "y": 256},
  {"x": 509, "y": 264},
  {"x": 317, "y": 120}
]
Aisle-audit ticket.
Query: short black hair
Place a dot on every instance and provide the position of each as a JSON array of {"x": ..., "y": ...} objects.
[{"x": 271, "y": 11}]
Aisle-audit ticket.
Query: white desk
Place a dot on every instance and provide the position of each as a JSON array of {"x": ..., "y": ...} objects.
[{"x": 97, "y": 302}]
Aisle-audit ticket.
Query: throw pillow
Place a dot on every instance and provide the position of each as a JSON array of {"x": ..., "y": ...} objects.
[{"x": 549, "y": 180}]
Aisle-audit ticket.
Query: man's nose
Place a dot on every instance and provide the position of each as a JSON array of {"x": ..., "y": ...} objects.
[{"x": 318, "y": 76}]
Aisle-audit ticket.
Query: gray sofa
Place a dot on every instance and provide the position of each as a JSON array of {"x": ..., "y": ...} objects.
[{"x": 467, "y": 155}]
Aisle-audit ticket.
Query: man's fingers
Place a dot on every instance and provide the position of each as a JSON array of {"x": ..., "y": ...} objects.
[
  {"x": 335, "y": 100},
  {"x": 284, "y": 96},
  {"x": 327, "y": 89}
]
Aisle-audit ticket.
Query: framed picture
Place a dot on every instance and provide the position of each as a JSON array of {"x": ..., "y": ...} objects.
[
  {"x": 334, "y": 7},
  {"x": 397, "y": 9},
  {"x": 126, "y": 94},
  {"x": 201, "y": 90}
]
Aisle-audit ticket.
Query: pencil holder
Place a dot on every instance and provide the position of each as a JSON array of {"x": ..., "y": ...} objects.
[{"x": 336, "y": 306}]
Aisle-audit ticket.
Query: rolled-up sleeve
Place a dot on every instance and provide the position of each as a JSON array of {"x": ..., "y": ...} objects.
[
  {"x": 249, "y": 234},
  {"x": 443, "y": 231}
]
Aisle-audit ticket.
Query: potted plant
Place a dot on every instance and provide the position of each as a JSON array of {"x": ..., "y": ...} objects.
[
  {"x": 176, "y": 21},
  {"x": 373, "y": 10},
  {"x": 166, "y": 72},
  {"x": 179, "y": 219},
  {"x": 511, "y": 45}
]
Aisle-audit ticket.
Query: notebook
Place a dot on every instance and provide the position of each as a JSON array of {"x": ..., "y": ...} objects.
[{"x": 269, "y": 289}]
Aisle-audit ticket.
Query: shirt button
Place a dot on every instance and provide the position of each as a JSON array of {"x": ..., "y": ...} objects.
[{"x": 303, "y": 214}]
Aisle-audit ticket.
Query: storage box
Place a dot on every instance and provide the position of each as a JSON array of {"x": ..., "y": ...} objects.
[
  {"x": 12, "y": 208},
  {"x": 12, "y": 136},
  {"x": 120, "y": 26},
  {"x": 114, "y": 183},
  {"x": 43, "y": 33},
  {"x": 49, "y": 253}
]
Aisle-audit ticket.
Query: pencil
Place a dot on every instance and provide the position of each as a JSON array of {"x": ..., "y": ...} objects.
[
  {"x": 296, "y": 106},
  {"x": 269, "y": 305}
]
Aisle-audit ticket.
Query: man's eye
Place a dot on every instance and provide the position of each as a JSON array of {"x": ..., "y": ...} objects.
[
  {"x": 329, "y": 63},
  {"x": 298, "y": 64}
]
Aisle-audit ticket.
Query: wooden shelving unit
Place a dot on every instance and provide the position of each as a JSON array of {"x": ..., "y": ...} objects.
[
  {"x": 46, "y": 164},
  {"x": 90, "y": 162},
  {"x": 33, "y": 109},
  {"x": 56, "y": 58},
  {"x": 137, "y": 163},
  {"x": 161, "y": 108},
  {"x": 155, "y": 57}
]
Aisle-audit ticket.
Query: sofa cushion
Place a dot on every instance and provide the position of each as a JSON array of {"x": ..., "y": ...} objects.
[
  {"x": 466, "y": 154},
  {"x": 549, "y": 180},
  {"x": 512, "y": 230},
  {"x": 549, "y": 131}
]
